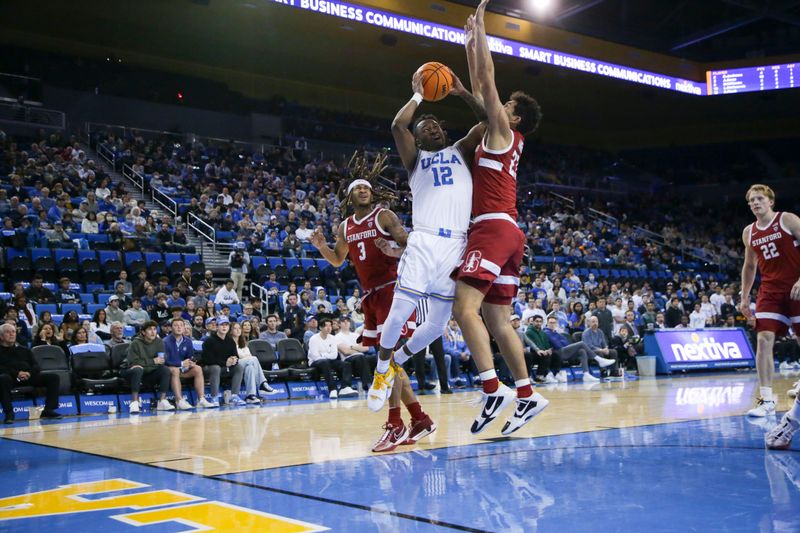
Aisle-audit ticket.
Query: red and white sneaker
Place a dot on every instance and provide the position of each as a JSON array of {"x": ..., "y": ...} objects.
[
  {"x": 419, "y": 430},
  {"x": 392, "y": 437},
  {"x": 780, "y": 438}
]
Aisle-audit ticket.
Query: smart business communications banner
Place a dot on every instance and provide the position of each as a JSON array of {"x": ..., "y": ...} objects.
[{"x": 693, "y": 349}]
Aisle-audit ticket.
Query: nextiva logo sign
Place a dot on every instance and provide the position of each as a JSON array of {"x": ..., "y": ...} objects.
[{"x": 703, "y": 346}]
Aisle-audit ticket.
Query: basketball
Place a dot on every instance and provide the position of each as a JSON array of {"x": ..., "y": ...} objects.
[{"x": 436, "y": 81}]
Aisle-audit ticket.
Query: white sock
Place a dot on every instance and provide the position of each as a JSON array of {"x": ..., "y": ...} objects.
[
  {"x": 487, "y": 374},
  {"x": 766, "y": 394},
  {"x": 383, "y": 366},
  {"x": 522, "y": 382},
  {"x": 794, "y": 412},
  {"x": 401, "y": 356}
]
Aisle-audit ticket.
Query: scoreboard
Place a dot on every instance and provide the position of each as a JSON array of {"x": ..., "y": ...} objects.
[{"x": 745, "y": 80}]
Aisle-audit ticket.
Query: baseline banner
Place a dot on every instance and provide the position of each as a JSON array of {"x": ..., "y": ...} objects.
[
  {"x": 704, "y": 348},
  {"x": 450, "y": 34}
]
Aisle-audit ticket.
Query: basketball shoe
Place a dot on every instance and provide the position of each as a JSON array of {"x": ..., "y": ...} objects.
[
  {"x": 419, "y": 430},
  {"x": 792, "y": 393},
  {"x": 380, "y": 389},
  {"x": 762, "y": 408},
  {"x": 392, "y": 437},
  {"x": 526, "y": 409},
  {"x": 780, "y": 438},
  {"x": 493, "y": 404}
]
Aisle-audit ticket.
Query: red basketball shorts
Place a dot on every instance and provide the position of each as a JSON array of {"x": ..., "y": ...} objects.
[
  {"x": 777, "y": 312},
  {"x": 491, "y": 263},
  {"x": 376, "y": 306}
]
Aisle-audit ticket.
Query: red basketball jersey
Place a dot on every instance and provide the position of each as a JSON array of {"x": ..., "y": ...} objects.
[
  {"x": 374, "y": 268},
  {"x": 778, "y": 255},
  {"x": 494, "y": 178}
]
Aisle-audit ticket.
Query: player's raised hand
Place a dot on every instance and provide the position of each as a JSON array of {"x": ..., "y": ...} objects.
[
  {"x": 416, "y": 83},
  {"x": 469, "y": 31},
  {"x": 385, "y": 247},
  {"x": 317, "y": 239},
  {"x": 458, "y": 88},
  {"x": 481, "y": 11}
]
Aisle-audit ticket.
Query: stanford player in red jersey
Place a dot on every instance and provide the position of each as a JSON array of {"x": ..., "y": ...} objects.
[
  {"x": 362, "y": 237},
  {"x": 489, "y": 276},
  {"x": 772, "y": 246}
]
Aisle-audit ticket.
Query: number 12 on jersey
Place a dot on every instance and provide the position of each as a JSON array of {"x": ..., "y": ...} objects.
[{"x": 442, "y": 176}]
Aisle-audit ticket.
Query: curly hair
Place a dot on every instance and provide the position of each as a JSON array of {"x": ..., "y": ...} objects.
[{"x": 360, "y": 168}]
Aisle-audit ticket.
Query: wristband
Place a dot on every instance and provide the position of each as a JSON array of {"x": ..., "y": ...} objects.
[{"x": 417, "y": 98}]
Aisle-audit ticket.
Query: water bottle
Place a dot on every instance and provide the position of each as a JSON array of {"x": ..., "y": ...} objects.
[{"x": 275, "y": 365}]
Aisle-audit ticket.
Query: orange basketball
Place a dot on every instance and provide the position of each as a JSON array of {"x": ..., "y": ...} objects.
[{"x": 436, "y": 81}]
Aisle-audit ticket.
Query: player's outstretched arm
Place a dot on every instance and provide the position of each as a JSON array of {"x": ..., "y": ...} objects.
[
  {"x": 403, "y": 138},
  {"x": 338, "y": 254},
  {"x": 499, "y": 132},
  {"x": 792, "y": 223},
  {"x": 748, "y": 274},
  {"x": 472, "y": 61},
  {"x": 474, "y": 103}
]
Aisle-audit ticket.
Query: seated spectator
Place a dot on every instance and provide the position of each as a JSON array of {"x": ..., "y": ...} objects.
[
  {"x": 46, "y": 336},
  {"x": 200, "y": 299},
  {"x": 220, "y": 356},
  {"x": 595, "y": 339},
  {"x": 627, "y": 347},
  {"x": 127, "y": 287},
  {"x": 630, "y": 325},
  {"x": 145, "y": 361},
  {"x": 323, "y": 354},
  {"x": 311, "y": 329},
  {"x": 69, "y": 324},
  {"x": 45, "y": 318},
  {"x": 38, "y": 293},
  {"x": 123, "y": 299},
  {"x": 19, "y": 368},
  {"x": 673, "y": 314},
  {"x": 161, "y": 311},
  {"x": 180, "y": 359},
  {"x": 271, "y": 334},
  {"x": 65, "y": 294},
  {"x": 136, "y": 316},
  {"x": 534, "y": 309},
  {"x": 25, "y": 310},
  {"x": 354, "y": 299},
  {"x": 542, "y": 354},
  {"x": 100, "y": 325},
  {"x": 198, "y": 326},
  {"x": 89, "y": 224},
  {"x": 227, "y": 294},
  {"x": 322, "y": 299},
  {"x": 562, "y": 322},
  {"x": 91, "y": 337},
  {"x": 176, "y": 300},
  {"x": 113, "y": 311},
  {"x": 457, "y": 351},
  {"x": 58, "y": 238},
  {"x": 117, "y": 335},
  {"x": 697, "y": 318},
  {"x": 353, "y": 352},
  {"x": 255, "y": 383}
]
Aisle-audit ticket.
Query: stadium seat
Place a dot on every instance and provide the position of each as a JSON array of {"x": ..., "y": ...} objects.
[
  {"x": 257, "y": 261},
  {"x": 171, "y": 258},
  {"x": 190, "y": 259},
  {"x": 50, "y": 308},
  {"x": 274, "y": 262},
  {"x": 20, "y": 268},
  {"x": 267, "y": 358},
  {"x": 130, "y": 257},
  {"x": 150, "y": 257},
  {"x": 292, "y": 357},
  {"x": 66, "y": 308},
  {"x": 91, "y": 368},
  {"x": 87, "y": 298},
  {"x": 53, "y": 360},
  {"x": 102, "y": 298},
  {"x": 36, "y": 253},
  {"x": 92, "y": 308}
]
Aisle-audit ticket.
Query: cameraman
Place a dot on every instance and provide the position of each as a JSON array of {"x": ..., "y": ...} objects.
[{"x": 238, "y": 261}]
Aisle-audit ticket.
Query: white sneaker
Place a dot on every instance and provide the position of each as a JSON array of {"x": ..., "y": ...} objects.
[
  {"x": 550, "y": 378},
  {"x": 205, "y": 404},
  {"x": 785, "y": 366},
  {"x": 603, "y": 362},
  {"x": 526, "y": 409},
  {"x": 780, "y": 438},
  {"x": 134, "y": 408},
  {"x": 333, "y": 394},
  {"x": 380, "y": 389},
  {"x": 561, "y": 377},
  {"x": 183, "y": 405},
  {"x": 762, "y": 408},
  {"x": 347, "y": 392},
  {"x": 589, "y": 378},
  {"x": 493, "y": 404},
  {"x": 794, "y": 391},
  {"x": 164, "y": 405}
]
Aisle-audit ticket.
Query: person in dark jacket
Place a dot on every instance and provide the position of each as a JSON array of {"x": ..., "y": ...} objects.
[
  {"x": 146, "y": 365},
  {"x": 18, "y": 368},
  {"x": 221, "y": 356}
]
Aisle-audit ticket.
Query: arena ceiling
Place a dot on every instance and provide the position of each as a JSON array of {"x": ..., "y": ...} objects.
[{"x": 260, "y": 48}]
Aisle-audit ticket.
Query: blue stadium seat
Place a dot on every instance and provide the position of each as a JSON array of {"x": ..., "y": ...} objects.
[
  {"x": 12, "y": 253},
  {"x": 59, "y": 254},
  {"x": 97, "y": 237},
  {"x": 149, "y": 257},
  {"x": 256, "y": 261},
  {"x": 323, "y": 264},
  {"x": 5, "y": 296},
  {"x": 102, "y": 298},
  {"x": 171, "y": 258},
  {"x": 92, "y": 308},
  {"x": 66, "y": 308},
  {"x": 41, "y": 308},
  {"x": 129, "y": 331},
  {"x": 130, "y": 257},
  {"x": 87, "y": 298},
  {"x": 190, "y": 259},
  {"x": 36, "y": 253},
  {"x": 306, "y": 263},
  {"x": 275, "y": 262},
  {"x": 236, "y": 309},
  {"x": 92, "y": 287},
  {"x": 84, "y": 255},
  {"x": 291, "y": 262},
  {"x": 57, "y": 319}
]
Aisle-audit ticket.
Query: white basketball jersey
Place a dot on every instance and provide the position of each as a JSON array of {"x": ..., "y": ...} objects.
[{"x": 441, "y": 186}]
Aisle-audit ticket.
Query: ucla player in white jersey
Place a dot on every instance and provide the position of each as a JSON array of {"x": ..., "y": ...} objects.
[{"x": 441, "y": 188}]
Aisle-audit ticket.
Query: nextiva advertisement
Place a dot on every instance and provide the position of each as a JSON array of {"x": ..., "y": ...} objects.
[{"x": 681, "y": 349}]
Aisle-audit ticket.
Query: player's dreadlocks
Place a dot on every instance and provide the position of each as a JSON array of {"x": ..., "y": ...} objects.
[{"x": 360, "y": 168}]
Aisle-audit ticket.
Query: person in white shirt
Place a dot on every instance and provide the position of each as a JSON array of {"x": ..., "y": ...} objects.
[
  {"x": 618, "y": 313},
  {"x": 709, "y": 310},
  {"x": 135, "y": 315},
  {"x": 227, "y": 294},
  {"x": 255, "y": 383},
  {"x": 303, "y": 233},
  {"x": 353, "y": 352},
  {"x": 717, "y": 298},
  {"x": 323, "y": 354},
  {"x": 89, "y": 224},
  {"x": 697, "y": 319},
  {"x": 322, "y": 299},
  {"x": 353, "y": 300},
  {"x": 534, "y": 309}
]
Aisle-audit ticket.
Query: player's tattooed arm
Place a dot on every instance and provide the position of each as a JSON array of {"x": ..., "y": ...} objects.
[
  {"x": 474, "y": 103},
  {"x": 403, "y": 137},
  {"x": 338, "y": 254},
  {"x": 392, "y": 225}
]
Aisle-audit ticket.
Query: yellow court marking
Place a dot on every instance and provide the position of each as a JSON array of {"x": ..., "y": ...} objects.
[
  {"x": 218, "y": 516},
  {"x": 67, "y": 499}
]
